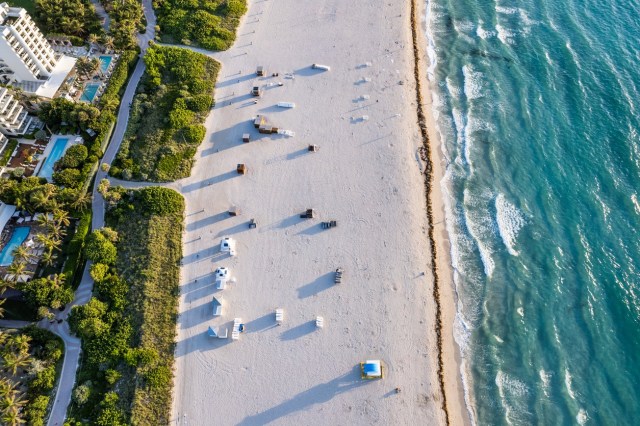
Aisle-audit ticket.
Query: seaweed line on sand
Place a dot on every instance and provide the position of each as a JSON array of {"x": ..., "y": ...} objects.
[{"x": 428, "y": 173}]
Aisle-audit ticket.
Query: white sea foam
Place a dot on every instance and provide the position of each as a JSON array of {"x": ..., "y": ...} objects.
[
  {"x": 507, "y": 10},
  {"x": 463, "y": 26},
  {"x": 545, "y": 377},
  {"x": 472, "y": 82},
  {"x": 430, "y": 19},
  {"x": 510, "y": 220},
  {"x": 505, "y": 35},
  {"x": 636, "y": 205},
  {"x": 484, "y": 34},
  {"x": 568, "y": 381},
  {"x": 582, "y": 416}
]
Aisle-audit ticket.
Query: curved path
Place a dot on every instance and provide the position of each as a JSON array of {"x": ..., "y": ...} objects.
[{"x": 84, "y": 291}]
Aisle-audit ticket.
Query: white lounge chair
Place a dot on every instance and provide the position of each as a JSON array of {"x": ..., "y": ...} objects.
[
  {"x": 235, "y": 333},
  {"x": 279, "y": 315},
  {"x": 319, "y": 322}
]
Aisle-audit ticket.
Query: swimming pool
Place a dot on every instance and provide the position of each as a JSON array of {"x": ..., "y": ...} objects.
[
  {"x": 18, "y": 237},
  {"x": 89, "y": 92},
  {"x": 57, "y": 151},
  {"x": 105, "y": 61}
]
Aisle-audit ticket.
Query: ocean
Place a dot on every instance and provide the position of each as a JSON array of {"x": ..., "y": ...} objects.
[{"x": 537, "y": 105}]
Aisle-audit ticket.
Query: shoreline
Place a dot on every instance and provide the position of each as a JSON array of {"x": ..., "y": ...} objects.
[{"x": 449, "y": 360}]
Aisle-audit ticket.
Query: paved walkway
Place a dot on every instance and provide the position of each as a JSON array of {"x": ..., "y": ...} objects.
[
  {"x": 84, "y": 291},
  {"x": 104, "y": 16}
]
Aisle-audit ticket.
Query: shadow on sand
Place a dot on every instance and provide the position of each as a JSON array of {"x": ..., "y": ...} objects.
[
  {"x": 209, "y": 220},
  {"x": 229, "y": 138},
  {"x": 321, "y": 283},
  {"x": 299, "y": 331},
  {"x": 305, "y": 400},
  {"x": 211, "y": 181}
]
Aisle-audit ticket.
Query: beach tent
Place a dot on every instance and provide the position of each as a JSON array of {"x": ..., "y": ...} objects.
[
  {"x": 371, "y": 369},
  {"x": 228, "y": 245},
  {"x": 217, "y": 306}
]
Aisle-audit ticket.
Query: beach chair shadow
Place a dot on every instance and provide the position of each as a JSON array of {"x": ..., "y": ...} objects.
[
  {"x": 312, "y": 230},
  {"x": 321, "y": 283},
  {"x": 263, "y": 323},
  {"x": 299, "y": 331},
  {"x": 318, "y": 394},
  {"x": 209, "y": 220},
  {"x": 211, "y": 181},
  {"x": 299, "y": 153},
  {"x": 230, "y": 137}
]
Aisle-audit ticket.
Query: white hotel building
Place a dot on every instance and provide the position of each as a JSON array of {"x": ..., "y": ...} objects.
[{"x": 27, "y": 61}]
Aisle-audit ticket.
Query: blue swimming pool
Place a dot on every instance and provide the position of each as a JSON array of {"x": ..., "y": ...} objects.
[
  {"x": 105, "y": 61},
  {"x": 57, "y": 151},
  {"x": 89, "y": 92},
  {"x": 18, "y": 237}
]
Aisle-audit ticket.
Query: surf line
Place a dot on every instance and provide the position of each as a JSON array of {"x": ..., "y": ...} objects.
[{"x": 428, "y": 182}]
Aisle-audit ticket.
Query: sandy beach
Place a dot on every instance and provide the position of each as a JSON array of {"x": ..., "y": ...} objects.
[{"x": 367, "y": 175}]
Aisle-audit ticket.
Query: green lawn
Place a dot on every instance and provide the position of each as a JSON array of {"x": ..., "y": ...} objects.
[
  {"x": 30, "y": 5},
  {"x": 7, "y": 151}
]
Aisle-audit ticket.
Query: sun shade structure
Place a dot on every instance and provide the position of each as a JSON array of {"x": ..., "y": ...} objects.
[
  {"x": 217, "y": 306},
  {"x": 371, "y": 369}
]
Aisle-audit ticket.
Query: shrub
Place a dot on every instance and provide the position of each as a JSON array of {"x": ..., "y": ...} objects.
[
  {"x": 99, "y": 249},
  {"x": 74, "y": 156},
  {"x": 194, "y": 134},
  {"x": 45, "y": 379},
  {"x": 200, "y": 103},
  {"x": 70, "y": 178},
  {"x": 82, "y": 393},
  {"x": 37, "y": 410},
  {"x": 98, "y": 271},
  {"x": 160, "y": 201}
]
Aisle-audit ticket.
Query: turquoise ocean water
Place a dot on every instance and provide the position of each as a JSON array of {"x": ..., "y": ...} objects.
[{"x": 538, "y": 107}]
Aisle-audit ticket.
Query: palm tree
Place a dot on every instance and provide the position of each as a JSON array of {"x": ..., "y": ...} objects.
[
  {"x": 48, "y": 257},
  {"x": 22, "y": 253},
  {"x": 20, "y": 343},
  {"x": 42, "y": 196},
  {"x": 13, "y": 361},
  {"x": 1, "y": 308},
  {"x": 45, "y": 220},
  {"x": 49, "y": 243},
  {"x": 82, "y": 202},
  {"x": 11, "y": 417},
  {"x": 7, "y": 387},
  {"x": 16, "y": 269},
  {"x": 92, "y": 39},
  {"x": 61, "y": 217},
  {"x": 108, "y": 42}
]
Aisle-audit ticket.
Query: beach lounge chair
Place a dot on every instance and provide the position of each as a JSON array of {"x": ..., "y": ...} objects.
[
  {"x": 319, "y": 322},
  {"x": 211, "y": 332},
  {"x": 279, "y": 315},
  {"x": 307, "y": 214},
  {"x": 252, "y": 224},
  {"x": 238, "y": 327},
  {"x": 338, "y": 276}
]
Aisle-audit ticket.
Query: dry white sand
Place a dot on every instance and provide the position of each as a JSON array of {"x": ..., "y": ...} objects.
[{"x": 366, "y": 176}]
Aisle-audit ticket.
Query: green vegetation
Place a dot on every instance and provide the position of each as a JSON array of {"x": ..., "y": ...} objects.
[
  {"x": 165, "y": 127},
  {"x": 67, "y": 17},
  {"x": 30, "y": 5},
  {"x": 30, "y": 360},
  {"x": 126, "y": 20},
  {"x": 126, "y": 376},
  {"x": 211, "y": 24},
  {"x": 7, "y": 151}
]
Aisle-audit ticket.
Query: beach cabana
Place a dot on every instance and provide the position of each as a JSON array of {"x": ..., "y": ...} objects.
[
  {"x": 260, "y": 71},
  {"x": 228, "y": 245},
  {"x": 241, "y": 169},
  {"x": 371, "y": 369}
]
